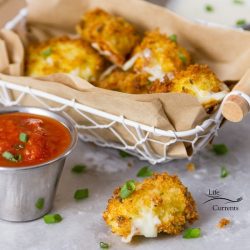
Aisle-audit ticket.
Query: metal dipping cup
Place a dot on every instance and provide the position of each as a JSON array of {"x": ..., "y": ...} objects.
[{"x": 27, "y": 193}]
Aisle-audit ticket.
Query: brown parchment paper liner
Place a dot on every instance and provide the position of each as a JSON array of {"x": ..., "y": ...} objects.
[
  {"x": 11, "y": 53},
  {"x": 226, "y": 51}
]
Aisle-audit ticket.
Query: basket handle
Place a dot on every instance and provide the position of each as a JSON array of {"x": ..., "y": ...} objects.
[{"x": 236, "y": 106}]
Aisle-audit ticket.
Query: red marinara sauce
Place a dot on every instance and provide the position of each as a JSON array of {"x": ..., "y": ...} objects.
[{"x": 27, "y": 139}]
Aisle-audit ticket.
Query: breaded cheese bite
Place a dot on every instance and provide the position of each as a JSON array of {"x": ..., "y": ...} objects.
[
  {"x": 200, "y": 81},
  {"x": 158, "y": 55},
  {"x": 112, "y": 36},
  {"x": 160, "y": 203},
  {"x": 126, "y": 81},
  {"x": 65, "y": 55}
]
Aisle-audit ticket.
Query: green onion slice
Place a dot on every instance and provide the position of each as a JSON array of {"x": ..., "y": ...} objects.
[
  {"x": 79, "y": 168},
  {"x": 239, "y": 1},
  {"x": 144, "y": 172},
  {"x": 173, "y": 37},
  {"x": 127, "y": 189},
  {"x": 18, "y": 157},
  {"x": 104, "y": 245},
  {"x": 192, "y": 233},
  {"x": 40, "y": 203},
  {"x": 241, "y": 22},
  {"x": 220, "y": 149},
  {"x": 23, "y": 137},
  {"x": 52, "y": 218},
  {"x": 47, "y": 52},
  {"x": 10, "y": 157},
  {"x": 81, "y": 194},
  {"x": 224, "y": 172},
  {"x": 209, "y": 8},
  {"x": 124, "y": 154},
  {"x": 182, "y": 57}
]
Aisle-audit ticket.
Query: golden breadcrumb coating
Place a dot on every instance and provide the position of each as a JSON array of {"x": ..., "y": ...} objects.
[
  {"x": 112, "y": 35},
  {"x": 162, "y": 197},
  {"x": 126, "y": 81},
  {"x": 160, "y": 55},
  {"x": 162, "y": 86},
  {"x": 200, "y": 81},
  {"x": 64, "y": 55}
]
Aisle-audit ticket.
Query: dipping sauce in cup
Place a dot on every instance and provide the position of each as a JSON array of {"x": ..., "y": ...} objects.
[
  {"x": 28, "y": 139},
  {"x": 34, "y": 143}
]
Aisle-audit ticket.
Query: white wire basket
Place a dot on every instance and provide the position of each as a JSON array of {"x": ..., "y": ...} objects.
[{"x": 143, "y": 135}]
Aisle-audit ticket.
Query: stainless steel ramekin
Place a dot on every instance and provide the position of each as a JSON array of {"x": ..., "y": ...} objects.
[{"x": 27, "y": 193}]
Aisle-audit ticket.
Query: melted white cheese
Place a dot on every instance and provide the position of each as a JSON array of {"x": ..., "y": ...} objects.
[
  {"x": 146, "y": 53},
  {"x": 102, "y": 52},
  {"x": 107, "y": 71},
  {"x": 49, "y": 61},
  {"x": 207, "y": 96},
  {"x": 127, "y": 65},
  {"x": 75, "y": 72},
  {"x": 155, "y": 72},
  {"x": 145, "y": 225}
]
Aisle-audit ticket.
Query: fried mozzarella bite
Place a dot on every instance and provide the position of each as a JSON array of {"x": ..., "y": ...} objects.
[
  {"x": 64, "y": 55},
  {"x": 200, "y": 81},
  {"x": 112, "y": 36},
  {"x": 126, "y": 81},
  {"x": 159, "y": 56},
  {"x": 160, "y": 203}
]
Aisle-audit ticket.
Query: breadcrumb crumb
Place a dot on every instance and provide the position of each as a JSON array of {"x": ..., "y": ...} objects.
[
  {"x": 190, "y": 167},
  {"x": 223, "y": 223}
]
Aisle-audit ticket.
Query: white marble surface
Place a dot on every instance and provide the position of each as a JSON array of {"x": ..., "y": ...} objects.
[
  {"x": 83, "y": 228},
  {"x": 225, "y": 12}
]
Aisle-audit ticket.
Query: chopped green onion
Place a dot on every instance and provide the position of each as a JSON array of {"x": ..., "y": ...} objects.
[
  {"x": 241, "y": 22},
  {"x": 192, "y": 233},
  {"x": 9, "y": 156},
  {"x": 182, "y": 57},
  {"x": 40, "y": 203},
  {"x": 23, "y": 137},
  {"x": 78, "y": 169},
  {"x": 52, "y": 218},
  {"x": 104, "y": 245},
  {"x": 239, "y": 1},
  {"x": 124, "y": 154},
  {"x": 18, "y": 157},
  {"x": 149, "y": 83},
  {"x": 47, "y": 52},
  {"x": 209, "y": 8},
  {"x": 220, "y": 149},
  {"x": 127, "y": 189},
  {"x": 81, "y": 194},
  {"x": 223, "y": 172},
  {"x": 145, "y": 172},
  {"x": 173, "y": 37}
]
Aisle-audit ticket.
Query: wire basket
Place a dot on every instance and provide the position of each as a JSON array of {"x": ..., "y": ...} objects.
[{"x": 142, "y": 135}]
